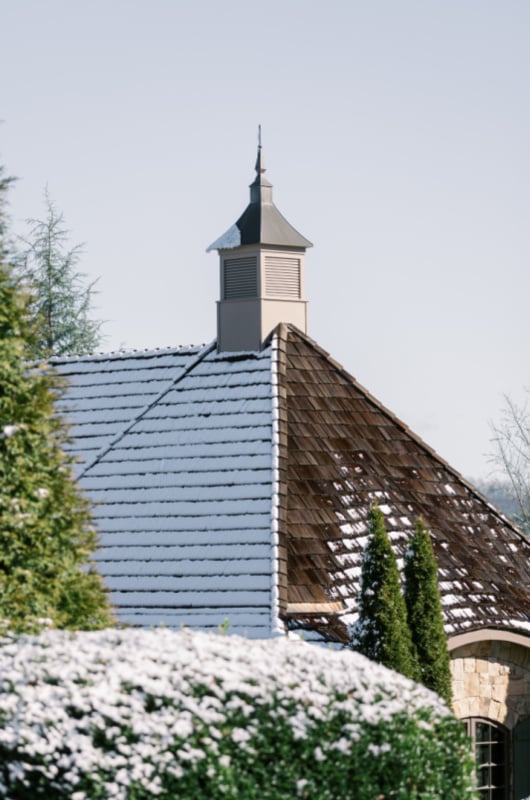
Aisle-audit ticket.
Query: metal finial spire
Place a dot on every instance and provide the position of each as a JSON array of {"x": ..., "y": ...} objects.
[{"x": 260, "y": 167}]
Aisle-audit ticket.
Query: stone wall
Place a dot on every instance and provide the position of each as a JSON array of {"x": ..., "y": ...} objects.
[{"x": 492, "y": 679}]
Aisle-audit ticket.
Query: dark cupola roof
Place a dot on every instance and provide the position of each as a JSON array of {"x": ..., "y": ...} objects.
[{"x": 261, "y": 222}]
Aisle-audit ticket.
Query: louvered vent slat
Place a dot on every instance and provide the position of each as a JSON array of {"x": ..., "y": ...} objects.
[
  {"x": 282, "y": 277},
  {"x": 240, "y": 278}
]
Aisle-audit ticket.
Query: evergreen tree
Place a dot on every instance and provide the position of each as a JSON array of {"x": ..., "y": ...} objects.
[
  {"x": 61, "y": 299},
  {"x": 424, "y": 609},
  {"x": 381, "y": 632},
  {"x": 5, "y": 182},
  {"x": 46, "y": 534}
]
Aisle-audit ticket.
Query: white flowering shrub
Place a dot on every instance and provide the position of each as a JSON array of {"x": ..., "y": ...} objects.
[{"x": 135, "y": 714}]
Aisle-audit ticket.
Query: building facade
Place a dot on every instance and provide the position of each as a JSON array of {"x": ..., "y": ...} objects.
[{"x": 232, "y": 482}]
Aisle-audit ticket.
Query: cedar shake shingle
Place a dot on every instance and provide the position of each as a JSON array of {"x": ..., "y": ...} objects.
[{"x": 346, "y": 451}]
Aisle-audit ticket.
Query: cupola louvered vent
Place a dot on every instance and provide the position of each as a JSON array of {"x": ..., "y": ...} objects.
[
  {"x": 282, "y": 277},
  {"x": 240, "y": 278}
]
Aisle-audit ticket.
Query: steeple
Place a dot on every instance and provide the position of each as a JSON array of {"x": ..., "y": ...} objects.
[
  {"x": 262, "y": 265},
  {"x": 260, "y": 222}
]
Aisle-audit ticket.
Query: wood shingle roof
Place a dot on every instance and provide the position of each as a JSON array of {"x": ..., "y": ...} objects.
[{"x": 345, "y": 451}]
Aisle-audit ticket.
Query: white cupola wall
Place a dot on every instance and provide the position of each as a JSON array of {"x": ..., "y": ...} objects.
[{"x": 261, "y": 272}]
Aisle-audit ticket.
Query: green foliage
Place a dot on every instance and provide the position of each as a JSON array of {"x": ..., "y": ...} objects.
[
  {"x": 5, "y": 182},
  {"x": 389, "y": 760},
  {"x": 46, "y": 536},
  {"x": 381, "y": 632},
  {"x": 206, "y": 717},
  {"x": 424, "y": 611},
  {"x": 60, "y": 299}
]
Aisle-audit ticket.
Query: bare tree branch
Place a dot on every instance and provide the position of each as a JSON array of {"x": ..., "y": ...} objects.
[{"x": 512, "y": 454}]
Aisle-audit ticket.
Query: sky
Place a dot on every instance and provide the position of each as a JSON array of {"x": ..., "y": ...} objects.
[{"x": 396, "y": 136}]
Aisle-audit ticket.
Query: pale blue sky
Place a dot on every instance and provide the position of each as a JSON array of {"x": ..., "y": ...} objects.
[{"x": 396, "y": 136}]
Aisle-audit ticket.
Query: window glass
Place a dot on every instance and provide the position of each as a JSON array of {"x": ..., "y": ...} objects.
[{"x": 491, "y": 745}]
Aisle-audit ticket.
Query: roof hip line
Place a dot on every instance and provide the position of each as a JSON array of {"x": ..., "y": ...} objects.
[{"x": 200, "y": 356}]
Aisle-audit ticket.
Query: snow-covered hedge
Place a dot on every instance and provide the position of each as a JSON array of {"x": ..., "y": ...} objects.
[{"x": 139, "y": 714}]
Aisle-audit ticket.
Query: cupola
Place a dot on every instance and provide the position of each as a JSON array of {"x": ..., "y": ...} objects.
[{"x": 262, "y": 272}]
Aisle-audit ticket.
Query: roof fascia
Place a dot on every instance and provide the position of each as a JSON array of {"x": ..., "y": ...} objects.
[{"x": 488, "y": 635}]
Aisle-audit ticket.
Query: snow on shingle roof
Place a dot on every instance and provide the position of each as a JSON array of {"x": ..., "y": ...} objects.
[
  {"x": 175, "y": 450},
  {"x": 344, "y": 452}
]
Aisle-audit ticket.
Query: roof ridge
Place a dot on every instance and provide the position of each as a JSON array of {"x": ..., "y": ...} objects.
[
  {"x": 117, "y": 354},
  {"x": 131, "y": 423},
  {"x": 284, "y": 328}
]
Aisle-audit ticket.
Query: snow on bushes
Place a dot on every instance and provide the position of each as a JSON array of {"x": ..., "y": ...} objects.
[{"x": 134, "y": 714}]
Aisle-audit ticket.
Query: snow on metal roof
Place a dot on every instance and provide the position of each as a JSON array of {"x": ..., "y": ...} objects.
[{"x": 175, "y": 451}]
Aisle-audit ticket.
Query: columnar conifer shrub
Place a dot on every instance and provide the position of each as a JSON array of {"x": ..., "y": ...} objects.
[
  {"x": 135, "y": 714},
  {"x": 46, "y": 535},
  {"x": 424, "y": 611},
  {"x": 381, "y": 632}
]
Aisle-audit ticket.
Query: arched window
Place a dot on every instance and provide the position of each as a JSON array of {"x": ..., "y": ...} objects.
[{"x": 491, "y": 757}]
